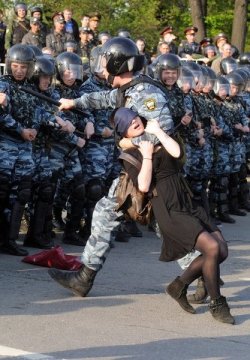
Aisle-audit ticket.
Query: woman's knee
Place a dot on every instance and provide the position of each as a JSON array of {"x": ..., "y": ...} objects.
[{"x": 208, "y": 245}]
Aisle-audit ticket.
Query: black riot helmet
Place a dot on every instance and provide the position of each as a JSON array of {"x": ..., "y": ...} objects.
[
  {"x": 36, "y": 50},
  {"x": 244, "y": 58},
  {"x": 227, "y": 65},
  {"x": 21, "y": 54},
  {"x": 221, "y": 87},
  {"x": 20, "y": 6},
  {"x": 166, "y": 62},
  {"x": 69, "y": 61},
  {"x": 236, "y": 79},
  {"x": 122, "y": 55},
  {"x": 44, "y": 66},
  {"x": 124, "y": 33},
  {"x": 211, "y": 76},
  {"x": 186, "y": 80},
  {"x": 94, "y": 59}
]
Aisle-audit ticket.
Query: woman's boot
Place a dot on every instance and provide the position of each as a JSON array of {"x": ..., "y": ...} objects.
[
  {"x": 221, "y": 311},
  {"x": 200, "y": 294},
  {"x": 80, "y": 282},
  {"x": 178, "y": 290}
]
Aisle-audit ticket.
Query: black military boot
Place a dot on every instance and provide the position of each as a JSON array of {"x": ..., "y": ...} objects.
[
  {"x": 58, "y": 222},
  {"x": 131, "y": 228},
  {"x": 200, "y": 294},
  {"x": 12, "y": 231},
  {"x": 72, "y": 225},
  {"x": 35, "y": 236},
  {"x": 221, "y": 311},
  {"x": 233, "y": 196},
  {"x": 178, "y": 291},
  {"x": 80, "y": 282}
]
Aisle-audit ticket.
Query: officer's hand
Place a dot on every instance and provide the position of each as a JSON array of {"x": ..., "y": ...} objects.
[
  {"x": 59, "y": 121},
  {"x": 29, "y": 134},
  {"x": 201, "y": 141},
  {"x": 245, "y": 129},
  {"x": 186, "y": 119},
  {"x": 67, "y": 126},
  {"x": 3, "y": 99},
  {"x": 238, "y": 126},
  {"x": 200, "y": 134},
  {"x": 106, "y": 133},
  {"x": 80, "y": 142},
  {"x": 89, "y": 130},
  {"x": 70, "y": 127},
  {"x": 217, "y": 131},
  {"x": 66, "y": 104}
]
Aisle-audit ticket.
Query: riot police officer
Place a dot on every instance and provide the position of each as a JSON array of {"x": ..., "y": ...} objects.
[{"x": 121, "y": 62}]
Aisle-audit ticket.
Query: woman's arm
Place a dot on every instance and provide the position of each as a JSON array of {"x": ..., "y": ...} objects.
[
  {"x": 145, "y": 175},
  {"x": 170, "y": 145}
]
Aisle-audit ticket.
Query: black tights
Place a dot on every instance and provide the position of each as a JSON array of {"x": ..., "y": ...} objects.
[{"x": 213, "y": 249}]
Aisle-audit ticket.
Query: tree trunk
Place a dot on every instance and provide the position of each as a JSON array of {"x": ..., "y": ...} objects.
[
  {"x": 239, "y": 24},
  {"x": 197, "y": 17}
]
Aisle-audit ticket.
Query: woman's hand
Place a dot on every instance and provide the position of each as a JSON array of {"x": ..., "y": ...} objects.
[
  {"x": 153, "y": 127},
  {"x": 146, "y": 148}
]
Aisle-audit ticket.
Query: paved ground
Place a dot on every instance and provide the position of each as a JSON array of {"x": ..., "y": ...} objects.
[{"x": 127, "y": 315}]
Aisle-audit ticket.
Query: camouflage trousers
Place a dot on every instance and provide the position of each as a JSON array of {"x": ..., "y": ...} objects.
[
  {"x": 97, "y": 159},
  {"x": 221, "y": 159},
  {"x": 15, "y": 161},
  {"x": 67, "y": 168},
  {"x": 237, "y": 155},
  {"x": 198, "y": 160},
  {"x": 105, "y": 219}
]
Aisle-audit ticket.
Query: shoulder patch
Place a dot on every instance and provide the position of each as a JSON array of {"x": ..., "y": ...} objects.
[{"x": 150, "y": 104}]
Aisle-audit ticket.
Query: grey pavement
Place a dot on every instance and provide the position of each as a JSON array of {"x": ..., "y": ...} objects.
[{"x": 127, "y": 314}]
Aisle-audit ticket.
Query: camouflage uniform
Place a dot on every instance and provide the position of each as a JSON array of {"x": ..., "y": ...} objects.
[
  {"x": 236, "y": 114},
  {"x": 65, "y": 163},
  {"x": 16, "y": 161},
  {"x": 149, "y": 102},
  {"x": 199, "y": 157},
  {"x": 98, "y": 157}
]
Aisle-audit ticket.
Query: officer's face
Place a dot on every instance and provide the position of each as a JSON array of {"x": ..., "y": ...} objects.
[
  {"x": 44, "y": 82},
  {"x": 69, "y": 77},
  {"x": 234, "y": 90},
  {"x": 169, "y": 77},
  {"x": 19, "y": 71},
  {"x": 136, "y": 128}
]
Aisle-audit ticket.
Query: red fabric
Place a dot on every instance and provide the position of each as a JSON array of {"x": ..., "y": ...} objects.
[{"x": 55, "y": 258}]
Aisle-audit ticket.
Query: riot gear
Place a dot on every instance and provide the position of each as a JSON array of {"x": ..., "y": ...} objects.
[
  {"x": 94, "y": 59},
  {"x": 36, "y": 50},
  {"x": 124, "y": 33},
  {"x": 22, "y": 54},
  {"x": 227, "y": 65},
  {"x": 244, "y": 59},
  {"x": 43, "y": 66},
  {"x": 122, "y": 55},
  {"x": 166, "y": 62},
  {"x": 71, "y": 62},
  {"x": 221, "y": 87},
  {"x": 186, "y": 80},
  {"x": 236, "y": 80}
]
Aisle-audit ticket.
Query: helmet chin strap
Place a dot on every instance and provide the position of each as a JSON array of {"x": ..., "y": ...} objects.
[{"x": 110, "y": 79}]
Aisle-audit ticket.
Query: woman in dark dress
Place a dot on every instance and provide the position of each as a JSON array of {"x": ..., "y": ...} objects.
[{"x": 184, "y": 225}]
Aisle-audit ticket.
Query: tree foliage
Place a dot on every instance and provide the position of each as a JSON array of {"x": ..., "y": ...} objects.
[{"x": 145, "y": 17}]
